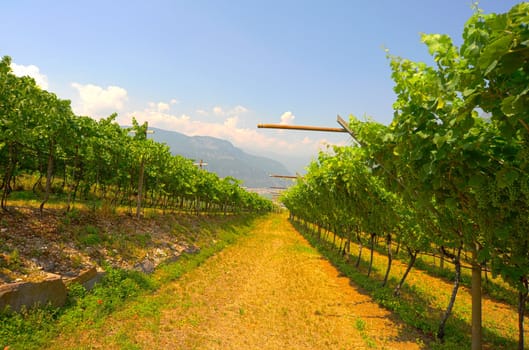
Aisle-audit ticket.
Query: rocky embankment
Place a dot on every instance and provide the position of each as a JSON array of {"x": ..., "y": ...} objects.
[{"x": 41, "y": 255}]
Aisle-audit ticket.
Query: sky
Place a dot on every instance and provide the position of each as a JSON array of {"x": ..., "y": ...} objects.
[{"x": 218, "y": 68}]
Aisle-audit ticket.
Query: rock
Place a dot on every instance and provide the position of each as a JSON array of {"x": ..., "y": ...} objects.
[
  {"x": 70, "y": 274},
  {"x": 192, "y": 250},
  {"x": 33, "y": 294},
  {"x": 160, "y": 252},
  {"x": 90, "y": 284},
  {"x": 146, "y": 266},
  {"x": 172, "y": 258},
  {"x": 48, "y": 265},
  {"x": 87, "y": 278}
]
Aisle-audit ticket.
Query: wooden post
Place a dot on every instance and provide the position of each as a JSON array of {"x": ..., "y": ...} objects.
[
  {"x": 140, "y": 187},
  {"x": 343, "y": 124},
  {"x": 300, "y": 127},
  {"x": 285, "y": 176}
]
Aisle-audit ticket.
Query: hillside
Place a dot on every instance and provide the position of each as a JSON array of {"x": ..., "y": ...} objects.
[{"x": 224, "y": 159}]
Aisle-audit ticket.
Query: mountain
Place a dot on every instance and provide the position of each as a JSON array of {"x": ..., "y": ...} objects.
[{"x": 224, "y": 159}]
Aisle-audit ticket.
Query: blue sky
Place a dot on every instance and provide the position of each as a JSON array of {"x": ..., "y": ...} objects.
[{"x": 219, "y": 68}]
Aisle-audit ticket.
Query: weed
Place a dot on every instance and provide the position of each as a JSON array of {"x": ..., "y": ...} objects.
[
  {"x": 284, "y": 311},
  {"x": 90, "y": 236},
  {"x": 70, "y": 217},
  {"x": 23, "y": 196},
  {"x": 13, "y": 259},
  {"x": 122, "y": 339},
  {"x": 89, "y": 229},
  {"x": 76, "y": 291},
  {"x": 360, "y": 324},
  {"x": 36, "y": 252},
  {"x": 107, "y": 209},
  {"x": 303, "y": 249},
  {"x": 142, "y": 239},
  {"x": 29, "y": 328},
  {"x": 77, "y": 261}
]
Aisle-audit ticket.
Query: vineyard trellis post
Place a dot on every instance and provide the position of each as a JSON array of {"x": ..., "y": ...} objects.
[{"x": 144, "y": 130}]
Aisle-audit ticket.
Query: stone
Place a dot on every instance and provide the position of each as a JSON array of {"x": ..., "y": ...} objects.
[
  {"x": 90, "y": 284},
  {"x": 146, "y": 266},
  {"x": 172, "y": 258},
  {"x": 192, "y": 250},
  {"x": 48, "y": 265},
  {"x": 52, "y": 291},
  {"x": 87, "y": 278},
  {"x": 82, "y": 277}
]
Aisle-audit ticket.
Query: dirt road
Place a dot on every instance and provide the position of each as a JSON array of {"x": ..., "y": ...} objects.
[{"x": 270, "y": 290}]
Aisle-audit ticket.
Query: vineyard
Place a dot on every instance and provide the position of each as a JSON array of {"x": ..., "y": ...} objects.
[
  {"x": 449, "y": 176},
  {"x": 77, "y": 157},
  {"x": 427, "y": 217}
]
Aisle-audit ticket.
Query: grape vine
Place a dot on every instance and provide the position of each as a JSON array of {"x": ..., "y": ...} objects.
[
  {"x": 450, "y": 173},
  {"x": 79, "y": 157}
]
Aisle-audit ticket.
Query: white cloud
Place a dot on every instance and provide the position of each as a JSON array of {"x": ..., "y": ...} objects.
[
  {"x": 96, "y": 101},
  {"x": 163, "y": 107},
  {"x": 32, "y": 71},
  {"x": 287, "y": 118},
  {"x": 160, "y": 106},
  {"x": 231, "y": 122},
  {"x": 228, "y": 128},
  {"x": 222, "y": 112},
  {"x": 239, "y": 110},
  {"x": 158, "y": 119},
  {"x": 218, "y": 111}
]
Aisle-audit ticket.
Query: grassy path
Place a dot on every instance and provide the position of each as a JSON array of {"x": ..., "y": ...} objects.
[{"x": 270, "y": 290}]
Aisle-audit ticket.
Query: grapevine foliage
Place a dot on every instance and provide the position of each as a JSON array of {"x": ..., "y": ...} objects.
[
  {"x": 452, "y": 168},
  {"x": 40, "y": 135}
]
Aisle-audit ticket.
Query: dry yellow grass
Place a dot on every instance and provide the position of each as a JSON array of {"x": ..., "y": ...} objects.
[
  {"x": 270, "y": 290},
  {"x": 498, "y": 317}
]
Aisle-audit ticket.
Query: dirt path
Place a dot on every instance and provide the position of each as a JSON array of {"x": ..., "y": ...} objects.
[{"x": 270, "y": 290}]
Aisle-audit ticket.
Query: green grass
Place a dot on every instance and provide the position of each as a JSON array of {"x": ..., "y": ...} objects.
[
  {"x": 34, "y": 329},
  {"x": 301, "y": 248},
  {"x": 360, "y": 326}
]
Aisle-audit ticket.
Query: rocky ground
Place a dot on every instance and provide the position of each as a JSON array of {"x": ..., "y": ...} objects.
[{"x": 34, "y": 245}]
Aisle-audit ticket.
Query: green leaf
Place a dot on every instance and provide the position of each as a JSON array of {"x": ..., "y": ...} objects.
[
  {"x": 484, "y": 254},
  {"x": 476, "y": 180},
  {"x": 506, "y": 178},
  {"x": 514, "y": 105},
  {"x": 492, "y": 52},
  {"x": 451, "y": 203},
  {"x": 439, "y": 140},
  {"x": 512, "y": 61},
  {"x": 422, "y": 134},
  {"x": 508, "y": 106}
]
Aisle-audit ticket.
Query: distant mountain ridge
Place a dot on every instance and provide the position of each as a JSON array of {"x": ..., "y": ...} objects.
[{"x": 223, "y": 158}]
